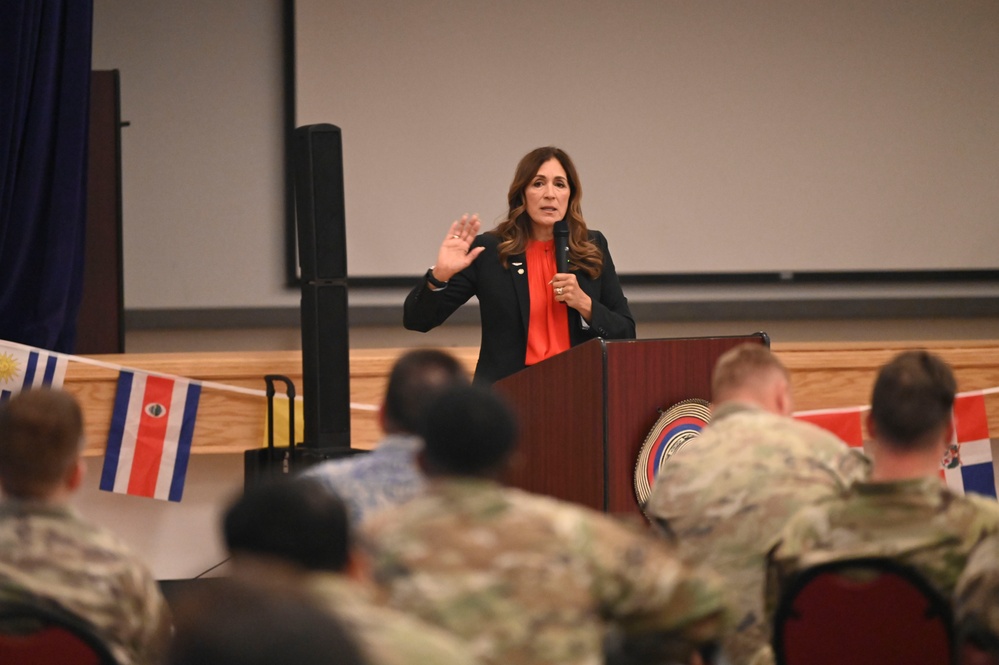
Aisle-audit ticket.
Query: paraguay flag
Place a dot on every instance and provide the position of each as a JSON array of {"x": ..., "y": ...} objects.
[
  {"x": 23, "y": 368},
  {"x": 149, "y": 441},
  {"x": 967, "y": 466}
]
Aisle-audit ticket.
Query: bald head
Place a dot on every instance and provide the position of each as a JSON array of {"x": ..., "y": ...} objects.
[{"x": 752, "y": 374}]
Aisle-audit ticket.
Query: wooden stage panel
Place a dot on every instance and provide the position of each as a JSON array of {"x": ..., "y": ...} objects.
[
  {"x": 823, "y": 376},
  {"x": 826, "y": 376},
  {"x": 231, "y": 422}
]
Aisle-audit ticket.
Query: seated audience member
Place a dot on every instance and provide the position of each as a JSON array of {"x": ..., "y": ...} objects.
[
  {"x": 48, "y": 551},
  {"x": 525, "y": 578},
  {"x": 388, "y": 475},
  {"x": 725, "y": 495},
  {"x": 235, "y": 623},
  {"x": 904, "y": 511},
  {"x": 297, "y": 533},
  {"x": 976, "y": 605}
]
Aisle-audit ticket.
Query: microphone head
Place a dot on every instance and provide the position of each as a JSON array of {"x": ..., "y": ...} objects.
[{"x": 561, "y": 229}]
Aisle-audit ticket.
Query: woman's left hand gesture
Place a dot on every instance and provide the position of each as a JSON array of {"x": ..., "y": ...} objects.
[{"x": 567, "y": 290}]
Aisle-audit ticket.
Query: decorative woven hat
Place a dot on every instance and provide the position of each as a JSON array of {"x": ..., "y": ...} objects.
[{"x": 676, "y": 426}]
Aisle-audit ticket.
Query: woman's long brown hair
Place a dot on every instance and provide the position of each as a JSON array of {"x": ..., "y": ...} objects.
[{"x": 515, "y": 230}]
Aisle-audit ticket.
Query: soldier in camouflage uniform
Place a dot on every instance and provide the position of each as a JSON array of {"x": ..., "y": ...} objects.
[
  {"x": 296, "y": 535},
  {"x": 524, "y": 578},
  {"x": 725, "y": 495},
  {"x": 976, "y": 600},
  {"x": 904, "y": 511},
  {"x": 47, "y": 551}
]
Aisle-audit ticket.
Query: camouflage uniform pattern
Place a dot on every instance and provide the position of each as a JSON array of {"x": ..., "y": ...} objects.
[
  {"x": 918, "y": 522},
  {"x": 976, "y": 599},
  {"x": 389, "y": 637},
  {"x": 48, "y": 551},
  {"x": 527, "y": 579},
  {"x": 724, "y": 497}
]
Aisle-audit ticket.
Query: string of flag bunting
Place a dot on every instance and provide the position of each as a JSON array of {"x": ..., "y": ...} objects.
[
  {"x": 968, "y": 464},
  {"x": 152, "y": 420}
]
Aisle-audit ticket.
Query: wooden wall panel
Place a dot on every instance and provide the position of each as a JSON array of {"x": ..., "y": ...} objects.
[
  {"x": 826, "y": 376},
  {"x": 823, "y": 376},
  {"x": 229, "y": 421}
]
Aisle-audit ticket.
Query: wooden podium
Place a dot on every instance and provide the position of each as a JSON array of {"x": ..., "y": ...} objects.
[{"x": 585, "y": 413}]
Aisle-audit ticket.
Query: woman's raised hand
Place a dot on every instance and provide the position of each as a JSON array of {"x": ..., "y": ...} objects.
[{"x": 454, "y": 255}]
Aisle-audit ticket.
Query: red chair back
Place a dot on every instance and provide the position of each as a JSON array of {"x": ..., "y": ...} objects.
[
  {"x": 36, "y": 634},
  {"x": 863, "y": 612}
]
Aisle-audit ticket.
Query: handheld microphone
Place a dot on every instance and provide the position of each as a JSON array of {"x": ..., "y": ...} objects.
[{"x": 561, "y": 232}]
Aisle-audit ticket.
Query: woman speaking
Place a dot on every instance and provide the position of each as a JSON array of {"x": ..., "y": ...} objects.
[{"x": 529, "y": 311}]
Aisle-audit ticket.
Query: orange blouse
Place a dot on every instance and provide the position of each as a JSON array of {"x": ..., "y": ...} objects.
[{"x": 548, "y": 327}]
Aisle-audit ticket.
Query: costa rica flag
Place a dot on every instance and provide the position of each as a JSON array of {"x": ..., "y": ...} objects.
[{"x": 149, "y": 440}]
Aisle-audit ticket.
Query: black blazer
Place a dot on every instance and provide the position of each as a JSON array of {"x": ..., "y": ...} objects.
[{"x": 504, "y": 307}]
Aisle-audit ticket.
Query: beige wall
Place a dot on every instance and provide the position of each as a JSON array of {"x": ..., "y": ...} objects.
[
  {"x": 727, "y": 123},
  {"x": 177, "y": 540}
]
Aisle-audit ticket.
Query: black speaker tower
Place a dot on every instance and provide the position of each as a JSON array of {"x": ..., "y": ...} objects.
[{"x": 322, "y": 251}]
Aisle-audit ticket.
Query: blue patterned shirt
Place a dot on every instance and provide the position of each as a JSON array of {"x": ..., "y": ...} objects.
[{"x": 369, "y": 483}]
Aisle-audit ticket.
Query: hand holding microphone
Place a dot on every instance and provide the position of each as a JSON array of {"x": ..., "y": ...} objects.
[{"x": 564, "y": 283}]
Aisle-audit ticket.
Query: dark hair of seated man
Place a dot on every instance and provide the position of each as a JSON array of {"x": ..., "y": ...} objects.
[
  {"x": 468, "y": 431},
  {"x": 296, "y": 521},
  {"x": 236, "y": 623},
  {"x": 415, "y": 380},
  {"x": 912, "y": 400}
]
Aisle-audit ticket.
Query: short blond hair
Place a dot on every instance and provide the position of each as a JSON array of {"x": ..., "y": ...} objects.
[
  {"x": 41, "y": 434},
  {"x": 743, "y": 366}
]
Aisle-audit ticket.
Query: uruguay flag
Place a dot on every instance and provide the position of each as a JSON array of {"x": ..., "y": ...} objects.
[
  {"x": 23, "y": 368},
  {"x": 967, "y": 467},
  {"x": 149, "y": 441}
]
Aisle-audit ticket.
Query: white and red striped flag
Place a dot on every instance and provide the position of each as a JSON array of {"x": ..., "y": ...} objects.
[
  {"x": 149, "y": 441},
  {"x": 844, "y": 423}
]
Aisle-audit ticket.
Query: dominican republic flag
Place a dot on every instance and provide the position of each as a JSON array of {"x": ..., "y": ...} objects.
[
  {"x": 23, "y": 368},
  {"x": 967, "y": 466},
  {"x": 845, "y": 424},
  {"x": 149, "y": 441}
]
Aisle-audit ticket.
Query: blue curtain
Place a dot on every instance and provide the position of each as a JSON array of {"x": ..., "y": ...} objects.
[{"x": 44, "y": 112}]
